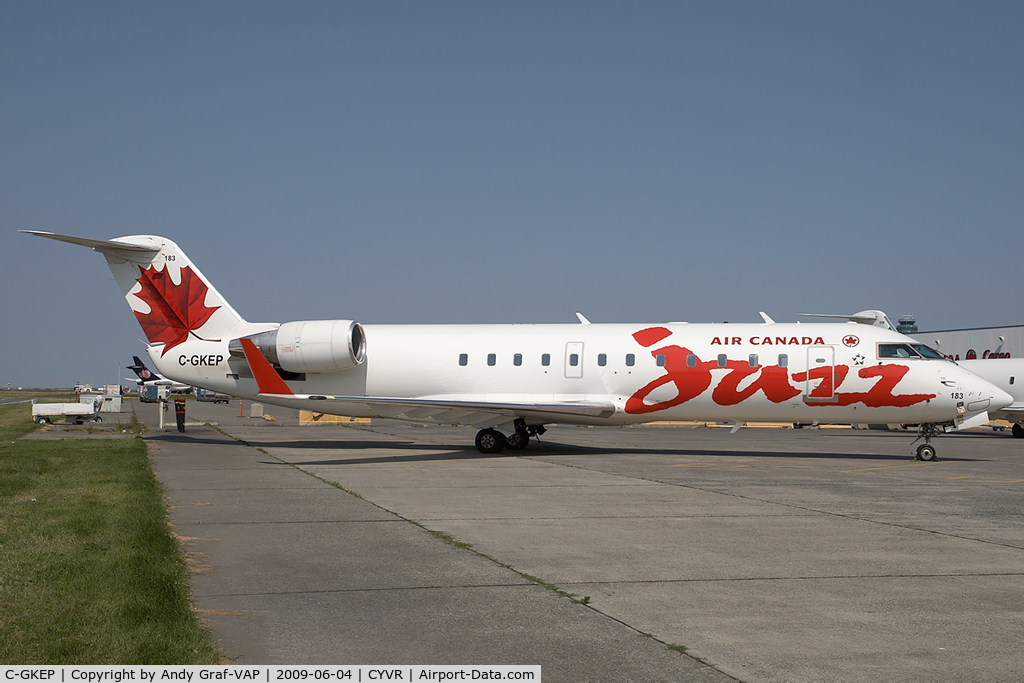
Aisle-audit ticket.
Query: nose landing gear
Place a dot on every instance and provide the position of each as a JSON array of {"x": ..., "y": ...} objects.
[{"x": 926, "y": 451}]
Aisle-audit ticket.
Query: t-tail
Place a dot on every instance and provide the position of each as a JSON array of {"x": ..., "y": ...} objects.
[
  {"x": 171, "y": 299},
  {"x": 144, "y": 373}
]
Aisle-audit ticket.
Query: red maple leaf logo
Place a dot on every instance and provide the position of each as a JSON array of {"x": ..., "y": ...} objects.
[
  {"x": 174, "y": 310},
  {"x": 851, "y": 340}
]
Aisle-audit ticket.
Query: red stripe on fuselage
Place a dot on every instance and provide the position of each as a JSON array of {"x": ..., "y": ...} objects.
[{"x": 266, "y": 376}]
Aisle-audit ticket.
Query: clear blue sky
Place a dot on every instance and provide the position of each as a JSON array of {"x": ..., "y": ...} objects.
[{"x": 509, "y": 162}]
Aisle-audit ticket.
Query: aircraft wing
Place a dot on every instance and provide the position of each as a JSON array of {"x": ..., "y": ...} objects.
[
  {"x": 479, "y": 414},
  {"x": 1016, "y": 410}
]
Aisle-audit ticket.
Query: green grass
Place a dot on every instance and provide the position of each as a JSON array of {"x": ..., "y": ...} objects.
[
  {"x": 49, "y": 395},
  {"x": 89, "y": 570}
]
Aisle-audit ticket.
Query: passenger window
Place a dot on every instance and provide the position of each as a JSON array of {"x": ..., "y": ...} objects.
[
  {"x": 630, "y": 360},
  {"x": 574, "y": 359},
  {"x": 722, "y": 360},
  {"x": 463, "y": 359},
  {"x": 602, "y": 359},
  {"x": 545, "y": 359},
  {"x": 491, "y": 359},
  {"x": 517, "y": 359},
  {"x": 1011, "y": 380},
  {"x": 783, "y": 360},
  {"x": 660, "y": 358},
  {"x": 691, "y": 360},
  {"x": 753, "y": 360}
]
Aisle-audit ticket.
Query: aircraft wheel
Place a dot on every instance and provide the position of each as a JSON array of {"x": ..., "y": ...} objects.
[
  {"x": 43, "y": 420},
  {"x": 517, "y": 440},
  {"x": 489, "y": 441},
  {"x": 1017, "y": 430},
  {"x": 926, "y": 452},
  {"x": 97, "y": 419}
]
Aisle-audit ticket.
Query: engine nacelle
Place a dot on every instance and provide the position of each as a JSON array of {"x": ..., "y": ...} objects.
[{"x": 310, "y": 345}]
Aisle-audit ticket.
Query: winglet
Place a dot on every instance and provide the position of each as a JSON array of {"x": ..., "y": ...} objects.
[
  {"x": 767, "y": 319},
  {"x": 583, "y": 320},
  {"x": 267, "y": 378}
]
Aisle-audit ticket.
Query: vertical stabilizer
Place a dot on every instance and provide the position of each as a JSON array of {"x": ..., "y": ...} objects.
[
  {"x": 144, "y": 373},
  {"x": 171, "y": 299}
]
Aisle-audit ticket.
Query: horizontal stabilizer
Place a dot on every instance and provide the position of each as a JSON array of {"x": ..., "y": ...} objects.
[
  {"x": 129, "y": 252},
  {"x": 876, "y": 318}
]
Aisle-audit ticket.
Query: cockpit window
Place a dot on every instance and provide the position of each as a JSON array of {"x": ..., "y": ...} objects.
[
  {"x": 908, "y": 351},
  {"x": 928, "y": 352},
  {"x": 897, "y": 351}
]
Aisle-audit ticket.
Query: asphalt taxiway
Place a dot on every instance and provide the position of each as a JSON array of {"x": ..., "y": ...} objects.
[{"x": 770, "y": 553}]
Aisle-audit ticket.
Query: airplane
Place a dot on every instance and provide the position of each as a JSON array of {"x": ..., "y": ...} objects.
[
  {"x": 1008, "y": 375},
  {"x": 147, "y": 376},
  {"x": 510, "y": 380}
]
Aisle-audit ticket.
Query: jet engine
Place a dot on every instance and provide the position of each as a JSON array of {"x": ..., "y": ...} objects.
[{"x": 309, "y": 345}]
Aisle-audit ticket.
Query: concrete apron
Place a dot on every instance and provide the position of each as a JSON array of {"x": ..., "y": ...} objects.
[
  {"x": 292, "y": 569},
  {"x": 770, "y": 554}
]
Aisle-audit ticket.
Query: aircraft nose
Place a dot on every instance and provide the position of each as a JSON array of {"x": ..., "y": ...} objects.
[{"x": 1000, "y": 399}]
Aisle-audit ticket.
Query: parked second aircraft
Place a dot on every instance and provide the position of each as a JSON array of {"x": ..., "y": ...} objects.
[
  {"x": 509, "y": 381},
  {"x": 147, "y": 376}
]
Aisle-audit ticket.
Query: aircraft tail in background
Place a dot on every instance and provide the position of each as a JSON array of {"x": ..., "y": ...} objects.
[{"x": 144, "y": 373}]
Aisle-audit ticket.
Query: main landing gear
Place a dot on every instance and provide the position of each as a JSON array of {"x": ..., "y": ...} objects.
[
  {"x": 1018, "y": 430},
  {"x": 493, "y": 441},
  {"x": 926, "y": 451}
]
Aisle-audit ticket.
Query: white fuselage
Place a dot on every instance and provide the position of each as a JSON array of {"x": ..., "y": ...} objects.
[
  {"x": 822, "y": 372},
  {"x": 525, "y": 376},
  {"x": 1008, "y": 375}
]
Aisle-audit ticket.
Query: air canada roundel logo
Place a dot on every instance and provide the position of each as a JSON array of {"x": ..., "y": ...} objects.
[{"x": 851, "y": 340}]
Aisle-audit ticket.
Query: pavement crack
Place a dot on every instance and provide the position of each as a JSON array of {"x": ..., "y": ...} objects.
[
  {"x": 792, "y": 506},
  {"x": 823, "y": 577},
  {"x": 379, "y": 589}
]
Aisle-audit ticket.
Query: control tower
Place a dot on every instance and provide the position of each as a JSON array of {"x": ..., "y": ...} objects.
[{"x": 907, "y": 324}]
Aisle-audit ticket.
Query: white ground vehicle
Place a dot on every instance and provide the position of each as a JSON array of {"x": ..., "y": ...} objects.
[{"x": 44, "y": 413}]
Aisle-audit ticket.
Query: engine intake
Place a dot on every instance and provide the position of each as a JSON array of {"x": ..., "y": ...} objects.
[{"x": 309, "y": 345}]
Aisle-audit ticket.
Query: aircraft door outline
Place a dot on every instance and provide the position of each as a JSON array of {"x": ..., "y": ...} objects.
[
  {"x": 820, "y": 385},
  {"x": 574, "y": 360}
]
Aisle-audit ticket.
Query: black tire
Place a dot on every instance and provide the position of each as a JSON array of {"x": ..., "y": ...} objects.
[
  {"x": 97, "y": 419},
  {"x": 1018, "y": 430},
  {"x": 517, "y": 441},
  {"x": 926, "y": 452},
  {"x": 490, "y": 441},
  {"x": 43, "y": 420}
]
